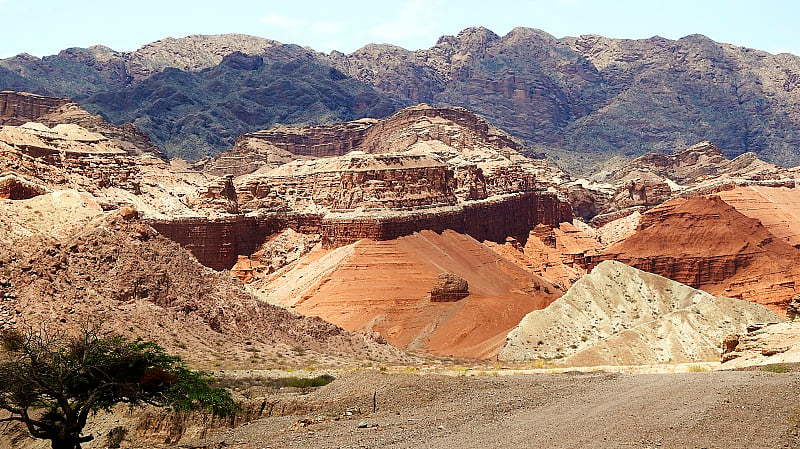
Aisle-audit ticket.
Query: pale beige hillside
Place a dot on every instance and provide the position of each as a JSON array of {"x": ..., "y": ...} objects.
[{"x": 619, "y": 315}]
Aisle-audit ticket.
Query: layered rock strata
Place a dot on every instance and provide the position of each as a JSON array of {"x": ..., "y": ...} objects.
[
  {"x": 706, "y": 243},
  {"x": 457, "y": 129},
  {"x": 618, "y": 315},
  {"x": 218, "y": 242},
  {"x": 423, "y": 168},
  {"x": 18, "y": 108},
  {"x": 66, "y": 155},
  {"x": 449, "y": 287}
]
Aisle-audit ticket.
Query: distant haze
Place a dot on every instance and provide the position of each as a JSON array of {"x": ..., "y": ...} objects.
[{"x": 44, "y": 27}]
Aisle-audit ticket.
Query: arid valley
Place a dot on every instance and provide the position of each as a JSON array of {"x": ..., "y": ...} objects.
[{"x": 500, "y": 241}]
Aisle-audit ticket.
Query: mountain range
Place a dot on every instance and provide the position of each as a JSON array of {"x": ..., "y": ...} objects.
[{"x": 578, "y": 97}]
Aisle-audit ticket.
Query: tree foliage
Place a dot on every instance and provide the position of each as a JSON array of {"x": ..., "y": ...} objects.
[{"x": 52, "y": 382}]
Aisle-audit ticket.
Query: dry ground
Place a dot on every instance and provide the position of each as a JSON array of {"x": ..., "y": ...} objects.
[{"x": 727, "y": 409}]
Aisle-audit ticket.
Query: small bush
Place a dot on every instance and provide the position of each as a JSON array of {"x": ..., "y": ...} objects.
[
  {"x": 776, "y": 369},
  {"x": 697, "y": 369},
  {"x": 277, "y": 382}
]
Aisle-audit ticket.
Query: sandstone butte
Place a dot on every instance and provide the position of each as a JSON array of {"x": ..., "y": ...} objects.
[
  {"x": 618, "y": 315},
  {"x": 423, "y": 168}
]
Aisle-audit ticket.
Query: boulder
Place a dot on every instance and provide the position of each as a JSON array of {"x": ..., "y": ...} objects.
[{"x": 449, "y": 287}]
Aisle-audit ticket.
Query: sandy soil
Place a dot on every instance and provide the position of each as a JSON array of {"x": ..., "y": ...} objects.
[{"x": 727, "y": 409}]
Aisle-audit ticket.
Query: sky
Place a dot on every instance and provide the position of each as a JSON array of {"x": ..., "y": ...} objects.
[{"x": 44, "y": 27}]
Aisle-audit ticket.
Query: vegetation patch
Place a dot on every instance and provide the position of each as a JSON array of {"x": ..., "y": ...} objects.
[
  {"x": 776, "y": 368},
  {"x": 276, "y": 383}
]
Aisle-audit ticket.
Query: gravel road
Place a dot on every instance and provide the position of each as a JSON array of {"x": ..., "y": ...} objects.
[{"x": 728, "y": 409}]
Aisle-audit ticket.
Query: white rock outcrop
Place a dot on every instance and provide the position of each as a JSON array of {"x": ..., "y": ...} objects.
[{"x": 619, "y": 315}]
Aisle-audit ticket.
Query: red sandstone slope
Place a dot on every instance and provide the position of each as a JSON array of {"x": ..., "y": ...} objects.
[
  {"x": 384, "y": 286},
  {"x": 706, "y": 243},
  {"x": 777, "y": 208},
  {"x": 555, "y": 253}
]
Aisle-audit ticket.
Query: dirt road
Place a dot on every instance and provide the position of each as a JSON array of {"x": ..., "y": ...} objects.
[{"x": 742, "y": 409}]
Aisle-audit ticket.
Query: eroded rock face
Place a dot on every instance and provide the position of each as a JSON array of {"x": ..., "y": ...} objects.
[
  {"x": 113, "y": 268},
  {"x": 706, "y": 243},
  {"x": 557, "y": 253},
  {"x": 18, "y": 108},
  {"x": 352, "y": 182},
  {"x": 217, "y": 195},
  {"x": 12, "y": 187},
  {"x": 449, "y": 287},
  {"x": 275, "y": 254},
  {"x": 764, "y": 344},
  {"x": 67, "y": 154},
  {"x": 618, "y": 315}
]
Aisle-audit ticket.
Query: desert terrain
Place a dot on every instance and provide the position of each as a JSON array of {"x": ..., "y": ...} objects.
[{"x": 409, "y": 274}]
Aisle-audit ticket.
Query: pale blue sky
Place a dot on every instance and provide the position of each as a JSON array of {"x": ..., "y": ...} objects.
[{"x": 43, "y": 27}]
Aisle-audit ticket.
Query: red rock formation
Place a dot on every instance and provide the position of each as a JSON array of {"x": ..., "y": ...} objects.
[
  {"x": 67, "y": 154},
  {"x": 557, "y": 253},
  {"x": 217, "y": 243},
  {"x": 449, "y": 287},
  {"x": 705, "y": 243},
  {"x": 385, "y": 286},
  {"x": 424, "y": 168},
  {"x": 17, "y": 108}
]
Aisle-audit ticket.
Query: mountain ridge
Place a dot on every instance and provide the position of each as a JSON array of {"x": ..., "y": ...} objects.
[{"x": 586, "y": 95}]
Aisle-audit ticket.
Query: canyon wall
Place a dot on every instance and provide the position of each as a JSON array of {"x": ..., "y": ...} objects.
[
  {"x": 217, "y": 242},
  {"x": 67, "y": 155},
  {"x": 17, "y": 108}
]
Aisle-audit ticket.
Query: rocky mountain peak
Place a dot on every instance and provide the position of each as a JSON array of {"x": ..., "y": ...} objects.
[{"x": 193, "y": 53}]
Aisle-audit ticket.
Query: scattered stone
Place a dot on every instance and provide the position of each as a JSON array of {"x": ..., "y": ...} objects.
[{"x": 449, "y": 287}]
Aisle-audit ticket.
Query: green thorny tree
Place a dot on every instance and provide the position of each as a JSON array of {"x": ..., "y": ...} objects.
[{"x": 51, "y": 382}]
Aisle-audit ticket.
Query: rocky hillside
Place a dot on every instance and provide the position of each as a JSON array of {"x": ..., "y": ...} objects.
[
  {"x": 618, "y": 315},
  {"x": 194, "y": 95},
  {"x": 592, "y": 95},
  {"x": 707, "y": 243},
  {"x": 595, "y": 94},
  {"x": 71, "y": 262}
]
